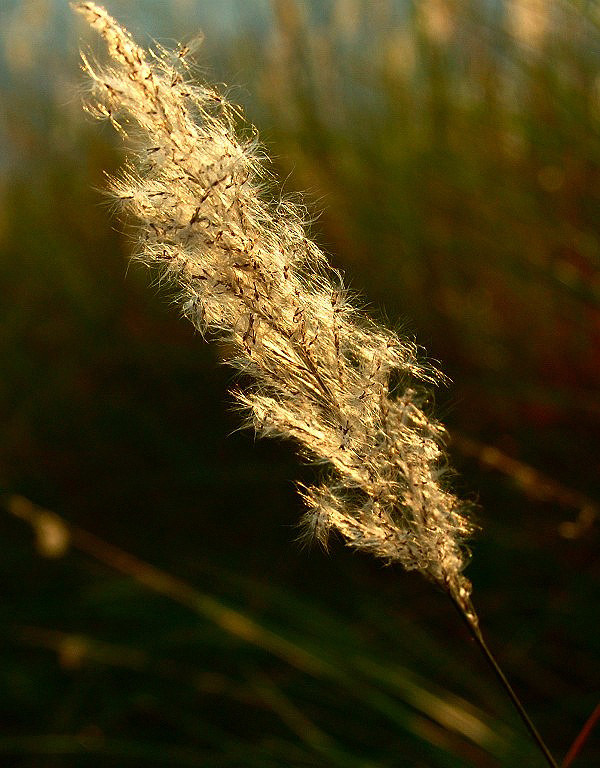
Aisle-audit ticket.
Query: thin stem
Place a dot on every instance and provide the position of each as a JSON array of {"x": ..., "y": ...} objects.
[
  {"x": 581, "y": 738},
  {"x": 470, "y": 619}
]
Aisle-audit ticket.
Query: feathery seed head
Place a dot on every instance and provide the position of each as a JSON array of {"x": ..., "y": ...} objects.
[{"x": 339, "y": 385}]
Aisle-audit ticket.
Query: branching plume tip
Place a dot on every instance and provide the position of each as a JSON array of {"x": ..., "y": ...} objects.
[{"x": 340, "y": 386}]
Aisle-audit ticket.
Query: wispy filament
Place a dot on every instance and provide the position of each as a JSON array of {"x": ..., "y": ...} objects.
[{"x": 343, "y": 388}]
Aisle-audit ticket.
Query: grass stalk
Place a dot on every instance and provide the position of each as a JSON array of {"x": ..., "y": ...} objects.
[{"x": 471, "y": 620}]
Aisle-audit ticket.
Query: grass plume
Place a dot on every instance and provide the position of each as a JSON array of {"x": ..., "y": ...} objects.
[{"x": 324, "y": 375}]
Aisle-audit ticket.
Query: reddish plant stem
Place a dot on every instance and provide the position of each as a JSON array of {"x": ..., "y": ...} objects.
[{"x": 581, "y": 737}]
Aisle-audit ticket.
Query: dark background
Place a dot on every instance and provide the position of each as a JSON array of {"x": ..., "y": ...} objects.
[{"x": 450, "y": 158}]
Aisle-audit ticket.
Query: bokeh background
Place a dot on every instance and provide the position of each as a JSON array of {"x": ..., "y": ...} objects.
[{"x": 450, "y": 158}]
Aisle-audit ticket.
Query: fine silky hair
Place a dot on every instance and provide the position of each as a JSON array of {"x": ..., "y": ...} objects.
[{"x": 347, "y": 391}]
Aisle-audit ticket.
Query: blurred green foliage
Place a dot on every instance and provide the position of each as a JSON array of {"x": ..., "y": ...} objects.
[{"x": 453, "y": 150}]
